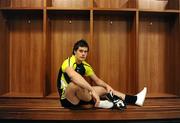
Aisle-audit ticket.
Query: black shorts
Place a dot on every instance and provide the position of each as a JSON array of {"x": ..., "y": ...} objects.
[{"x": 65, "y": 103}]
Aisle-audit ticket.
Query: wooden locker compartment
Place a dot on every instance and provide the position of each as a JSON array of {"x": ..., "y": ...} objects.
[
  {"x": 114, "y": 42},
  {"x": 65, "y": 28},
  {"x": 23, "y": 50},
  {"x": 158, "y": 53}
]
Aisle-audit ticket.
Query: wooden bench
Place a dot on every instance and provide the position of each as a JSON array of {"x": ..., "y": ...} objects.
[{"x": 50, "y": 109}]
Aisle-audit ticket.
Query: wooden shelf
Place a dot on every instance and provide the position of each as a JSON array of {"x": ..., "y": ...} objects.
[
  {"x": 73, "y": 9},
  {"x": 21, "y": 8},
  {"x": 116, "y": 9},
  {"x": 159, "y": 11}
]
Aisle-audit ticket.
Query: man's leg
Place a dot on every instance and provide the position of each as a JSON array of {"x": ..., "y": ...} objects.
[
  {"x": 101, "y": 91},
  {"x": 75, "y": 93},
  {"x": 137, "y": 99}
]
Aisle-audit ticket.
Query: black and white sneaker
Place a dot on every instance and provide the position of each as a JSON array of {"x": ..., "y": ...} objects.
[
  {"x": 118, "y": 102},
  {"x": 141, "y": 97}
]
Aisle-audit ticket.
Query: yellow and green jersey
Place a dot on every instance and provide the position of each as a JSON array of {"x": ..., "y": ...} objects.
[{"x": 84, "y": 69}]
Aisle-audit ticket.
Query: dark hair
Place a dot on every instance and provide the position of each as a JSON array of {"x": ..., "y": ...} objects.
[{"x": 80, "y": 43}]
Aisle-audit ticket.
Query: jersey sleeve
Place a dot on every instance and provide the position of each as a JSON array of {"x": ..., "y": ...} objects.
[
  {"x": 89, "y": 71},
  {"x": 65, "y": 65},
  {"x": 68, "y": 63}
]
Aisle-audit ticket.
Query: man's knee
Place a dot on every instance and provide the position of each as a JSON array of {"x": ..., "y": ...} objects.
[
  {"x": 71, "y": 89},
  {"x": 83, "y": 94}
]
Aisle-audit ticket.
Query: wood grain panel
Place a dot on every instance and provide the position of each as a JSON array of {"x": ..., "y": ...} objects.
[
  {"x": 27, "y": 3},
  {"x": 173, "y": 4},
  {"x": 66, "y": 29},
  {"x": 159, "y": 4},
  {"x": 112, "y": 51},
  {"x": 5, "y": 3},
  {"x": 114, "y": 3},
  {"x": 26, "y": 54},
  {"x": 71, "y": 3},
  {"x": 157, "y": 57}
]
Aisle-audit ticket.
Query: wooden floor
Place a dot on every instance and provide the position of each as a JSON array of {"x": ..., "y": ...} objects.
[{"x": 49, "y": 109}]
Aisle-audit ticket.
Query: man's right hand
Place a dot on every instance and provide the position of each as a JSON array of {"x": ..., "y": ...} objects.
[{"x": 95, "y": 98}]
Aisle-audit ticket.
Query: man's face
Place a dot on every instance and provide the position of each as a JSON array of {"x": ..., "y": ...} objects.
[{"x": 81, "y": 54}]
